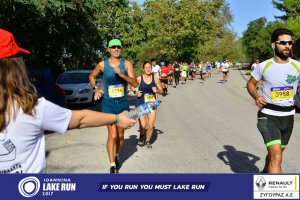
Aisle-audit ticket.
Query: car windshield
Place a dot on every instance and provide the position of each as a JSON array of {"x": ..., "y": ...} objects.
[{"x": 73, "y": 78}]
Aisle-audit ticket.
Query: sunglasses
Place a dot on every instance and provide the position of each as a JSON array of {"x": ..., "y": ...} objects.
[
  {"x": 283, "y": 42},
  {"x": 114, "y": 47}
]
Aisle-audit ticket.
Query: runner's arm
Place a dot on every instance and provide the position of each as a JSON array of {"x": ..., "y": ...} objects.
[
  {"x": 133, "y": 89},
  {"x": 99, "y": 68},
  {"x": 251, "y": 87},
  {"x": 131, "y": 77},
  {"x": 158, "y": 85},
  {"x": 89, "y": 118}
]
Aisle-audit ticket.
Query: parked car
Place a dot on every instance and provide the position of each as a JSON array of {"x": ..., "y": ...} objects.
[
  {"x": 45, "y": 85},
  {"x": 77, "y": 86}
]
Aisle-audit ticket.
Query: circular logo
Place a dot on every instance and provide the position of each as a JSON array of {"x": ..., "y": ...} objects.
[{"x": 30, "y": 186}]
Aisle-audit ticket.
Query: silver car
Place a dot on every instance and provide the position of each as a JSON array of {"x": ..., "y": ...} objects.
[{"x": 76, "y": 85}]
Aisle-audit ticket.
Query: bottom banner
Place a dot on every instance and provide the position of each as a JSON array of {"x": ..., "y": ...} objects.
[{"x": 149, "y": 186}]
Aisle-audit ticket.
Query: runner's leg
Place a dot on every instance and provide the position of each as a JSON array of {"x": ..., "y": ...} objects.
[
  {"x": 111, "y": 146},
  {"x": 151, "y": 121}
]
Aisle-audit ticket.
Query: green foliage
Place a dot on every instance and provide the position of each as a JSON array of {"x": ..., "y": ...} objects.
[
  {"x": 73, "y": 34},
  {"x": 256, "y": 39}
]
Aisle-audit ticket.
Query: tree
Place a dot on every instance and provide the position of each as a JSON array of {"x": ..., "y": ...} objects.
[
  {"x": 59, "y": 34},
  {"x": 291, "y": 8}
]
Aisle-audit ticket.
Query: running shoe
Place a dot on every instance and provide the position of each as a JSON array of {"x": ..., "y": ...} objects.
[
  {"x": 148, "y": 145},
  {"x": 113, "y": 170},
  {"x": 141, "y": 141}
]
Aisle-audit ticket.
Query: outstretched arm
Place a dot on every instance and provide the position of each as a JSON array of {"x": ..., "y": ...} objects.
[{"x": 89, "y": 118}]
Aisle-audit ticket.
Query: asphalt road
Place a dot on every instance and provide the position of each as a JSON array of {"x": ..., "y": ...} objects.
[{"x": 200, "y": 128}]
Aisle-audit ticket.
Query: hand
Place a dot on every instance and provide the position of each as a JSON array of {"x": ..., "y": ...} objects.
[
  {"x": 139, "y": 93},
  {"x": 97, "y": 94},
  {"x": 118, "y": 71},
  {"x": 260, "y": 101},
  {"x": 125, "y": 122}
]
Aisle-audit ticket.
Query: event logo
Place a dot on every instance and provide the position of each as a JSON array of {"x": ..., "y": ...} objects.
[
  {"x": 29, "y": 187},
  {"x": 276, "y": 186},
  {"x": 260, "y": 183}
]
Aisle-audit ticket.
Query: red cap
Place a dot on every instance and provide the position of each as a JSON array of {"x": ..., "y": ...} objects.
[{"x": 8, "y": 46}]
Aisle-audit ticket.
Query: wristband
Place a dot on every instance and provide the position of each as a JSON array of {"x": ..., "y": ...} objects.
[{"x": 117, "y": 119}]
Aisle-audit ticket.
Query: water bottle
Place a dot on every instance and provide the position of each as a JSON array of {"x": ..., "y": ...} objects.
[{"x": 143, "y": 109}]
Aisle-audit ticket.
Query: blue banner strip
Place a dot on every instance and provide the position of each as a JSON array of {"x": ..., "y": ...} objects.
[{"x": 127, "y": 186}]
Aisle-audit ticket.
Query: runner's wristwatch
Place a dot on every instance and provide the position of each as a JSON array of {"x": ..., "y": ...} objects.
[{"x": 95, "y": 87}]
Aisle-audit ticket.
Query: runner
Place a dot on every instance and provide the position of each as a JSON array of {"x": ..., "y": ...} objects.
[
  {"x": 225, "y": 71},
  {"x": 218, "y": 66},
  {"x": 209, "y": 67},
  {"x": 176, "y": 73},
  {"x": 148, "y": 87},
  {"x": 254, "y": 64},
  {"x": 170, "y": 73},
  {"x": 194, "y": 71},
  {"x": 155, "y": 68},
  {"x": 183, "y": 70},
  {"x": 275, "y": 118},
  {"x": 203, "y": 72},
  {"x": 164, "y": 77},
  {"x": 117, "y": 73}
]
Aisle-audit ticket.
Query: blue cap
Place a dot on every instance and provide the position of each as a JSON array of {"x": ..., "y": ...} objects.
[{"x": 162, "y": 64}]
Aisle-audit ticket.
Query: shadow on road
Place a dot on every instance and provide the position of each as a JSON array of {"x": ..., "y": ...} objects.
[
  {"x": 128, "y": 149},
  {"x": 155, "y": 134},
  {"x": 239, "y": 161},
  {"x": 130, "y": 145}
]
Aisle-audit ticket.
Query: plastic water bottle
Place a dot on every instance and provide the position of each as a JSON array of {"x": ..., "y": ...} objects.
[{"x": 143, "y": 109}]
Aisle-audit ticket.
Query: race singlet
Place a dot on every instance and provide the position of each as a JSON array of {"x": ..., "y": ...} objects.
[{"x": 115, "y": 91}]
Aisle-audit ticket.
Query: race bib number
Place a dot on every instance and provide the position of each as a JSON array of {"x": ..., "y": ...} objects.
[
  {"x": 282, "y": 93},
  {"x": 183, "y": 74},
  {"x": 115, "y": 91},
  {"x": 177, "y": 69},
  {"x": 149, "y": 97}
]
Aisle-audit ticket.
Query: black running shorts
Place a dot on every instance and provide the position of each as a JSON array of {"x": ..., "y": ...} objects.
[{"x": 275, "y": 129}]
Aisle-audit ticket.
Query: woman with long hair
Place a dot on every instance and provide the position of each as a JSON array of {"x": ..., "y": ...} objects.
[
  {"x": 148, "y": 87},
  {"x": 24, "y": 116}
]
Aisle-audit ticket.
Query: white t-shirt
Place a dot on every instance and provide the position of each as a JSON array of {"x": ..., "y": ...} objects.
[
  {"x": 254, "y": 65},
  {"x": 156, "y": 69},
  {"x": 225, "y": 67},
  {"x": 23, "y": 140},
  {"x": 279, "y": 84}
]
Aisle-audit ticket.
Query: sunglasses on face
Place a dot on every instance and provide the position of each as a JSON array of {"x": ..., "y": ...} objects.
[
  {"x": 114, "y": 47},
  {"x": 283, "y": 42}
]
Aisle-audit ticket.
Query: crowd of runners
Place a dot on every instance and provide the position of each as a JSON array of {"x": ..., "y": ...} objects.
[
  {"x": 174, "y": 73},
  {"x": 25, "y": 116}
]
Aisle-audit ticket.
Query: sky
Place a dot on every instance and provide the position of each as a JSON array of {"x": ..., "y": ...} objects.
[{"x": 245, "y": 11}]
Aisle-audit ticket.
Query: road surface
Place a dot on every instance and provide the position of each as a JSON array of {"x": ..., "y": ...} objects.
[{"x": 200, "y": 128}]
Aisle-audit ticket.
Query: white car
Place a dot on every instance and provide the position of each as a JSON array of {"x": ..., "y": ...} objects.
[{"x": 77, "y": 87}]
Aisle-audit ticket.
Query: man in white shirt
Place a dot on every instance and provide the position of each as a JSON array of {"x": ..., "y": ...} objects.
[
  {"x": 255, "y": 64},
  {"x": 275, "y": 118},
  {"x": 155, "y": 68}
]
